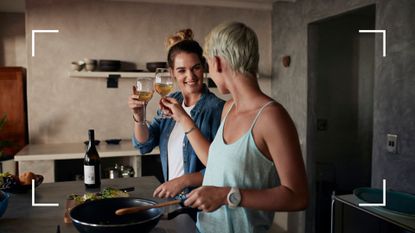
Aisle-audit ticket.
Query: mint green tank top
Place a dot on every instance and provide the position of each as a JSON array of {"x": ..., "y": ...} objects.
[{"x": 241, "y": 165}]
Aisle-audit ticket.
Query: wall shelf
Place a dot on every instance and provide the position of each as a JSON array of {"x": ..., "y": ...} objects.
[{"x": 102, "y": 74}]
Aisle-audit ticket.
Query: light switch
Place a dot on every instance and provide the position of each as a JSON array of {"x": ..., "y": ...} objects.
[{"x": 392, "y": 143}]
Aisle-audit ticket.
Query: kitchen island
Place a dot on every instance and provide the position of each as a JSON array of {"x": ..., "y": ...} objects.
[
  {"x": 21, "y": 216},
  {"x": 40, "y": 158}
]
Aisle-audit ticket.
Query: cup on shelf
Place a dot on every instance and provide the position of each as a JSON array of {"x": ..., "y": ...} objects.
[
  {"x": 90, "y": 64},
  {"x": 81, "y": 64},
  {"x": 75, "y": 66}
]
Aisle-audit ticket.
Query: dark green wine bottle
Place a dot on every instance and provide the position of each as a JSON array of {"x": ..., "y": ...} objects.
[{"x": 92, "y": 164}]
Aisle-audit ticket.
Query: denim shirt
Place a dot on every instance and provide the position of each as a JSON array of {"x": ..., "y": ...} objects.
[{"x": 206, "y": 115}]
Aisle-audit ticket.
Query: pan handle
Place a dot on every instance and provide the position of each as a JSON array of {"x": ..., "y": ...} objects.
[
  {"x": 192, "y": 212},
  {"x": 130, "y": 210}
]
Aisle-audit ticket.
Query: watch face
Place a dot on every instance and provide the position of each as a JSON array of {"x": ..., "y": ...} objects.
[{"x": 235, "y": 198}]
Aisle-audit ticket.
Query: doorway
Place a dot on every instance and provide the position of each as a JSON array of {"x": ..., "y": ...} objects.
[{"x": 340, "y": 109}]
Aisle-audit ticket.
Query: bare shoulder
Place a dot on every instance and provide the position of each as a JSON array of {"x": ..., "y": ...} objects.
[
  {"x": 274, "y": 132},
  {"x": 226, "y": 107},
  {"x": 276, "y": 117},
  {"x": 274, "y": 110}
]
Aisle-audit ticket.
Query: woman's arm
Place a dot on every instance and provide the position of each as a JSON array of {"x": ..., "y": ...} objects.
[
  {"x": 141, "y": 133},
  {"x": 173, "y": 187},
  {"x": 199, "y": 143},
  {"x": 209, "y": 198},
  {"x": 145, "y": 137},
  {"x": 279, "y": 140}
]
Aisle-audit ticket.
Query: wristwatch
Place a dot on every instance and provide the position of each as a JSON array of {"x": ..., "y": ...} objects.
[{"x": 234, "y": 197}]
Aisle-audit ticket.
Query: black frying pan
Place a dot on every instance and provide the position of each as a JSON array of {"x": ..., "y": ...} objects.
[{"x": 99, "y": 216}]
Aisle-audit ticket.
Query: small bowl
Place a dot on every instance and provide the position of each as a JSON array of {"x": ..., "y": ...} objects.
[
  {"x": 90, "y": 61},
  {"x": 90, "y": 67},
  {"x": 4, "y": 202},
  {"x": 19, "y": 188},
  {"x": 113, "y": 141},
  {"x": 75, "y": 66},
  {"x": 152, "y": 66}
]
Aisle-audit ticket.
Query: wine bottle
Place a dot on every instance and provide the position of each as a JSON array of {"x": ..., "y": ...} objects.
[{"x": 92, "y": 164}]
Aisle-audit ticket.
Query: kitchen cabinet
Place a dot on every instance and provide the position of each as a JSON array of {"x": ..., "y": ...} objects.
[
  {"x": 349, "y": 217},
  {"x": 13, "y": 104},
  {"x": 43, "y": 158}
]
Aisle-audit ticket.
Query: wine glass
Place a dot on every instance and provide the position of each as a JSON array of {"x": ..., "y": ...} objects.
[
  {"x": 163, "y": 84},
  {"x": 144, "y": 89}
]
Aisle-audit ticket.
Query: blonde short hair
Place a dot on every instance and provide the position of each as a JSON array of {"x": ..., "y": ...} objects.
[{"x": 237, "y": 44}]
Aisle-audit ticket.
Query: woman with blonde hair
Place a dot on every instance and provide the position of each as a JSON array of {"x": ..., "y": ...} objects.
[
  {"x": 180, "y": 165},
  {"x": 254, "y": 165}
]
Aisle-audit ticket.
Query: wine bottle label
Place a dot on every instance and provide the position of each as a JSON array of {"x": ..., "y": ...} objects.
[{"x": 89, "y": 174}]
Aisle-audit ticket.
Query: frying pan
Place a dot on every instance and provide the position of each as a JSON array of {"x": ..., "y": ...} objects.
[{"x": 99, "y": 216}]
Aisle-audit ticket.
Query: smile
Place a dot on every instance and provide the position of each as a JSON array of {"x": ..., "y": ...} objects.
[{"x": 192, "y": 82}]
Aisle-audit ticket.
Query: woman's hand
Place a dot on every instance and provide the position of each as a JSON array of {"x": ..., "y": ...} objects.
[
  {"x": 170, "y": 188},
  {"x": 207, "y": 198},
  {"x": 174, "y": 108},
  {"x": 136, "y": 105}
]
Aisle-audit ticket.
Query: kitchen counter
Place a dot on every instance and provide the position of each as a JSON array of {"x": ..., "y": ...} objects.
[
  {"x": 405, "y": 222},
  {"x": 21, "y": 216},
  {"x": 40, "y": 158}
]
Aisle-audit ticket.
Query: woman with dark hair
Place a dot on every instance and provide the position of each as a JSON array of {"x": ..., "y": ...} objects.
[{"x": 181, "y": 167}]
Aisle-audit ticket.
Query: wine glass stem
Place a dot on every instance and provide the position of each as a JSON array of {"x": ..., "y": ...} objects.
[
  {"x": 162, "y": 109},
  {"x": 144, "y": 113}
]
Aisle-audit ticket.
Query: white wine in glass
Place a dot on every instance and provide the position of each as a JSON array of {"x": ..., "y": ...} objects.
[
  {"x": 144, "y": 89},
  {"x": 163, "y": 84},
  {"x": 163, "y": 89},
  {"x": 144, "y": 95}
]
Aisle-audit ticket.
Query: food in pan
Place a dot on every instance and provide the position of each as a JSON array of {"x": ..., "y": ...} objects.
[{"x": 106, "y": 193}]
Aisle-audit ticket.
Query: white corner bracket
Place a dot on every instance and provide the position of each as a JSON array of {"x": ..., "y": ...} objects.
[
  {"x": 383, "y": 199},
  {"x": 39, "y": 31},
  {"x": 40, "y": 204},
  {"x": 383, "y": 36}
]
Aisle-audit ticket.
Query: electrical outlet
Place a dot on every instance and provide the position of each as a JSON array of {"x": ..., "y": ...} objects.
[{"x": 392, "y": 143}]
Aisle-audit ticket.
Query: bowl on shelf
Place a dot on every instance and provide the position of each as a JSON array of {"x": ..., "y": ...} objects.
[
  {"x": 76, "y": 66},
  {"x": 90, "y": 64},
  {"x": 109, "y": 65},
  {"x": 113, "y": 141},
  {"x": 152, "y": 66},
  {"x": 4, "y": 202},
  {"x": 90, "y": 61}
]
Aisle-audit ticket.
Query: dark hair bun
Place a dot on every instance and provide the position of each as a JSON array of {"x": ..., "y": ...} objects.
[{"x": 184, "y": 34}]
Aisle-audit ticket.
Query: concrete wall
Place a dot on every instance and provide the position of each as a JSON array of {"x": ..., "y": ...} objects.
[
  {"x": 394, "y": 98},
  {"x": 62, "y": 109},
  {"x": 12, "y": 39}
]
